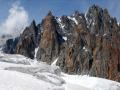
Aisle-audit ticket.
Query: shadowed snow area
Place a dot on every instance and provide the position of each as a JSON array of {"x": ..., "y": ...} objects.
[{"x": 20, "y": 73}]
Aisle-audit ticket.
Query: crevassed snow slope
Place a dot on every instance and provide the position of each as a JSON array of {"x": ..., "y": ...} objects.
[
  {"x": 11, "y": 80},
  {"x": 27, "y": 75},
  {"x": 20, "y": 73}
]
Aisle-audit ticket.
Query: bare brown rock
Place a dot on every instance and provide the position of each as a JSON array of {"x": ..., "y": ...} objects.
[
  {"x": 49, "y": 47},
  {"x": 94, "y": 48}
]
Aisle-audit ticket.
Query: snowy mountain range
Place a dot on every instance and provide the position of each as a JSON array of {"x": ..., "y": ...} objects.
[{"x": 72, "y": 52}]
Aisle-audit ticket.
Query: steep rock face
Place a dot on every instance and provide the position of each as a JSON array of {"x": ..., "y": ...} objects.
[
  {"x": 10, "y": 45},
  {"x": 76, "y": 57},
  {"x": 49, "y": 47},
  {"x": 106, "y": 51},
  {"x": 106, "y": 55},
  {"x": 66, "y": 25},
  {"x": 28, "y": 41},
  {"x": 93, "y": 47},
  {"x": 95, "y": 19}
]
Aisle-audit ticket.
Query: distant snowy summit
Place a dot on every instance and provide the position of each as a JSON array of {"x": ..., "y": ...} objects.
[{"x": 83, "y": 43}]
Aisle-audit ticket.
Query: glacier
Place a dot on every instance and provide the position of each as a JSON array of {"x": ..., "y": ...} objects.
[{"x": 18, "y": 72}]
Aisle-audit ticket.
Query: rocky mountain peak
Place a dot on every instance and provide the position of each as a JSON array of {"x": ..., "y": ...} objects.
[
  {"x": 49, "y": 13},
  {"x": 28, "y": 41},
  {"x": 50, "y": 40},
  {"x": 33, "y": 24},
  {"x": 95, "y": 9},
  {"x": 76, "y": 13},
  {"x": 83, "y": 44}
]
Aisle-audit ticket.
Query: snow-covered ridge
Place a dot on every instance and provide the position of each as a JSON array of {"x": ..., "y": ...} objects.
[
  {"x": 73, "y": 19},
  {"x": 60, "y": 23},
  {"x": 20, "y": 73}
]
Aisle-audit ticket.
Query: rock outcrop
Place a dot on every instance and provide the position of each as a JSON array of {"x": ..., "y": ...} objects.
[
  {"x": 49, "y": 47},
  {"x": 77, "y": 57},
  {"x": 94, "y": 46},
  {"x": 10, "y": 45},
  {"x": 28, "y": 41}
]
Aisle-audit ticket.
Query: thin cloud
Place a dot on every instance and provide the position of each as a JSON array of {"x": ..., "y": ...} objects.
[{"x": 16, "y": 21}]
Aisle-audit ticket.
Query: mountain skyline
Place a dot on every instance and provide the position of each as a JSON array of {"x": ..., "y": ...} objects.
[
  {"x": 84, "y": 43},
  {"x": 40, "y": 8},
  {"x": 37, "y": 9},
  {"x": 59, "y": 45}
]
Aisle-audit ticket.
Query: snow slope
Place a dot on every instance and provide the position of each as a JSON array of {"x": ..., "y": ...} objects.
[
  {"x": 73, "y": 82},
  {"x": 11, "y": 80},
  {"x": 20, "y": 73}
]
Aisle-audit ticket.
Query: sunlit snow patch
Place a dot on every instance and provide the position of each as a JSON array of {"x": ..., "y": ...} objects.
[
  {"x": 84, "y": 48},
  {"x": 65, "y": 38},
  {"x": 78, "y": 82},
  {"x": 73, "y": 19},
  {"x": 60, "y": 23},
  {"x": 54, "y": 62},
  {"x": 36, "y": 50}
]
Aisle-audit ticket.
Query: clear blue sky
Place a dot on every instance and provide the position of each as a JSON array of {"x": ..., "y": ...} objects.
[{"x": 37, "y": 9}]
